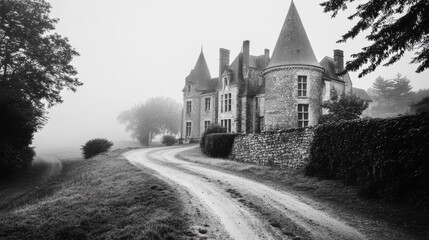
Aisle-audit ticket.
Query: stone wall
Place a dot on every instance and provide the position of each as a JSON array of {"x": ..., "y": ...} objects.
[{"x": 284, "y": 148}]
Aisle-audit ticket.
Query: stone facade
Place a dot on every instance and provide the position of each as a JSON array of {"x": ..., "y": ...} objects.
[
  {"x": 283, "y": 148},
  {"x": 264, "y": 92}
]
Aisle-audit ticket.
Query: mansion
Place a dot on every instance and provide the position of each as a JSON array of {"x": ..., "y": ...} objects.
[{"x": 254, "y": 93}]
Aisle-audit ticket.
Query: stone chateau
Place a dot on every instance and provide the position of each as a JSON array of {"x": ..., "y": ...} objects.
[{"x": 257, "y": 93}]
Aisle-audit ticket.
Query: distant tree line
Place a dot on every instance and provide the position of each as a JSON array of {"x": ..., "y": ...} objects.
[{"x": 34, "y": 68}]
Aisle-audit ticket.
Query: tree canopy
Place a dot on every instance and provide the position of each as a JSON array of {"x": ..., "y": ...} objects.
[
  {"x": 394, "y": 89},
  {"x": 394, "y": 27},
  {"x": 35, "y": 66},
  {"x": 34, "y": 60},
  {"x": 343, "y": 107},
  {"x": 158, "y": 115}
]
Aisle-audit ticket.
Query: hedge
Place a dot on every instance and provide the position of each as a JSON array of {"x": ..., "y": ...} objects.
[
  {"x": 95, "y": 146},
  {"x": 219, "y": 144},
  {"x": 212, "y": 128},
  {"x": 383, "y": 157},
  {"x": 169, "y": 140}
]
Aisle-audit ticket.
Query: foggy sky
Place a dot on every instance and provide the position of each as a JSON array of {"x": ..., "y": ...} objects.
[{"x": 136, "y": 49}]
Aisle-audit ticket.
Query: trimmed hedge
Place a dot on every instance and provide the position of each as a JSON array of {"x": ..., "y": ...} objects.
[
  {"x": 213, "y": 128},
  {"x": 95, "y": 146},
  {"x": 219, "y": 144},
  {"x": 169, "y": 140},
  {"x": 383, "y": 157}
]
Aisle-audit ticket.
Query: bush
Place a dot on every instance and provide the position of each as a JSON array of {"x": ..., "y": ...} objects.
[
  {"x": 168, "y": 140},
  {"x": 219, "y": 144},
  {"x": 95, "y": 146},
  {"x": 213, "y": 128},
  {"x": 383, "y": 157}
]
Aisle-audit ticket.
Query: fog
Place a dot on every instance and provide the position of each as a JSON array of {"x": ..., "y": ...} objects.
[{"x": 134, "y": 50}]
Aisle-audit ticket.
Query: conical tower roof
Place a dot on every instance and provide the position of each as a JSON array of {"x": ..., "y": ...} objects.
[
  {"x": 293, "y": 46},
  {"x": 201, "y": 74}
]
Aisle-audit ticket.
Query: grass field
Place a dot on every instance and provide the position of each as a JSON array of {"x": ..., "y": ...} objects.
[{"x": 100, "y": 198}]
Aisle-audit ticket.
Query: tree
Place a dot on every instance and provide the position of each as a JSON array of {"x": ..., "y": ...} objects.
[
  {"x": 155, "y": 116},
  {"x": 421, "y": 106},
  {"x": 34, "y": 69},
  {"x": 395, "y": 27},
  {"x": 343, "y": 107}
]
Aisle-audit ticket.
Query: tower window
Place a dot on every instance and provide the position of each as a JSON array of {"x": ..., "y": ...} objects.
[
  {"x": 302, "y": 115},
  {"x": 188, "y": 128},
  {"x": 302, "y": 86},
  {"x": 207, "y": 104},
  {"x": 188, "y": 106},
  {"x": 188, "y": 88}
]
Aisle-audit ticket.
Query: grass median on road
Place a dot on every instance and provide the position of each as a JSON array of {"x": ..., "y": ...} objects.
[{"x": 100, "y": 198}]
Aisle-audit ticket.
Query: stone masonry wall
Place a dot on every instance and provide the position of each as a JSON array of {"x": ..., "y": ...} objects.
[{"x": 283, "y": 148}]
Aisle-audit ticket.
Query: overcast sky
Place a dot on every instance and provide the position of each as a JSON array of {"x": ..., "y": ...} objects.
[{"x": 131, "y": 50}]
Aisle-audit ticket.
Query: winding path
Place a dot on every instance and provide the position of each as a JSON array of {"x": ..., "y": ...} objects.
[{"x": 237, "y": 207}]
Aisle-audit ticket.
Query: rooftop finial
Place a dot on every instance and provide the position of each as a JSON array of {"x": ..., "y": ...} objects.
[{"x": 201, "y": 47}]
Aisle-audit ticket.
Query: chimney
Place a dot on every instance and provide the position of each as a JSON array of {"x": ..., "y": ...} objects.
[
  {"x": 338, "y": 60},
  {"x": 266, "y": 57},
  {"x": 223, "y": 60},
  {"x": 246, "y": 56}
]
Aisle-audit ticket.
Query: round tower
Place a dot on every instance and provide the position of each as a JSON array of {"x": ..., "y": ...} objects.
[{"x": 293, "y": 79}]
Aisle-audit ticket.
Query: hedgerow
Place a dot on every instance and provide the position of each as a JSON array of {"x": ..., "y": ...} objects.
[
  {"x": 383, "y": 157},
  {"x": 219, "y": 144}
]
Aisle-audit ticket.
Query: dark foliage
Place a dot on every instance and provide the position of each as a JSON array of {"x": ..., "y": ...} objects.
[
  {"x": 219, "y": 144},
  {"x": 421, "y": 107},
  {"x": 34, "y": 69},
  {"x": 20, "y": 119},
  {"x": 395, "y": 27},
  {"x": 344, "y": 107},
  {"x": 213, "y": 128},
  {"x": 383, "y": 157},
  {"x": 169, "y": 140},
  {"x": 95, "y": 146}
]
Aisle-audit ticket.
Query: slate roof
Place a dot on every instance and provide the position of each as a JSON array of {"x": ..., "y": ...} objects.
[
  {"x": 360, "y": 93},
  {"x": 212, "y": 86},
  {"x": 200, "y": 74},
  {"x": 293, "y": 46},
  {"x": 328, "y": 64}
]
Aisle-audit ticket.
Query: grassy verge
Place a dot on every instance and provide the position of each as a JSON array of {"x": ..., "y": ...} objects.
[
  {"x": 100, "y": 198},
  {"x": 334, "y": 194}
]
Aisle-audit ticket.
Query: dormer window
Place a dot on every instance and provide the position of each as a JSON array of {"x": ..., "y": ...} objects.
[
  {"x": 225, "y": 82},
  {"x": 189, "y": 88}
]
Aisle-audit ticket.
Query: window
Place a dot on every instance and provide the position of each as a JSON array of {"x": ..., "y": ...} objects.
[
  {"x": 206, "y": 124},
  {"x": 188, "y": 129},
  {"x": 207, "y": 104},
  {"x": 261, "y": 124},
  {"x": 226, "y": 123},
  {"x": 302, "y": 115},
  {"x": 302, "y": 86},
  {"x": 225, "y": 82},
  {"x": 226, "y": 102},
  {"x": 188, "y": 106},
  {"x": 189, "y": 88}
]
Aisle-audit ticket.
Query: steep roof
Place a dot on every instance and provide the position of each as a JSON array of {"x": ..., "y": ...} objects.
[
  {"x": 200, "y": 74},
  {"x": 360, "y": 93},
  {"x": 328, "y": 64},
  {"x": 293, "y": 46}
]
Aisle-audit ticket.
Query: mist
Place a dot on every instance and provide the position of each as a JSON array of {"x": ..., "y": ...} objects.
[{"x": 134, "y": 50}]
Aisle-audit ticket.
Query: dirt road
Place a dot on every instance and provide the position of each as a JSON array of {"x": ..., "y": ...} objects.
[{"x": 229, "y": 206}]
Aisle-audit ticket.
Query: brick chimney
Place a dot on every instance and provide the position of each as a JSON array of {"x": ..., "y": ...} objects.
[
  {"x": 338, "y": 60},
  {"x": 223, "y": 60},
  {"x": 246, "y": 55}
]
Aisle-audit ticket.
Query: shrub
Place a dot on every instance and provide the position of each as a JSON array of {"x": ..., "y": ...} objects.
[
  {"x": 383, "y": 157},
  {"x": 95, "y": 146},
  {"x": 212, "y": 128},
  {"x": 219, "y": 144},
  {"x": 168, "y": 140}
]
